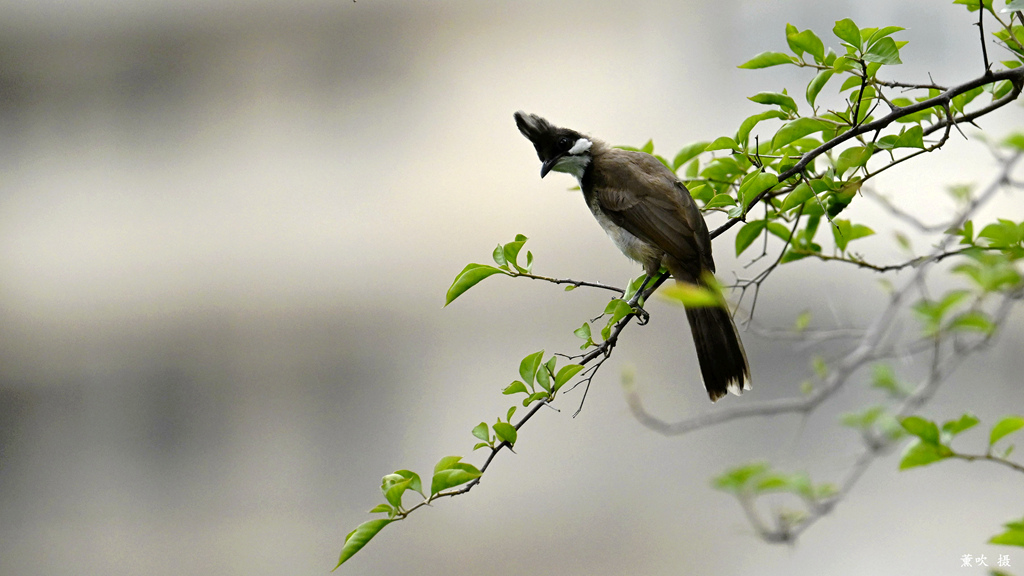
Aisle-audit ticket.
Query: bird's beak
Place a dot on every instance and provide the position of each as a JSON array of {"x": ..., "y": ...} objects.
[{"x": 549, "y": 165}]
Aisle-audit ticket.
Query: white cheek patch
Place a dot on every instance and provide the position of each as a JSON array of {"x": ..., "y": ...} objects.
[{"x": 581, "y": 145}]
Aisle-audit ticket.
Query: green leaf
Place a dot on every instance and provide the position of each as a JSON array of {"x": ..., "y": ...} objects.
[
  {"x": 701, "y": 192},
  {"x": 1014, "y": 140},
  {"x": 648, "y": 147},
  {"x": 382, "y": 508},
  {"x": 1007, "y": 425},
  {"x": 747, "y": 234},
  {"x": 691, "y": 295},
  {"x": 848, "y": 32},
  {"x": 807, "y": 41},
  {"x": 534, "y": 397},
  {"x": 499, "y": 255},
  {"x": 797, "y": 129},
  {"x": 973, "y": 320},
  {"x": 744, "y": 131},
  {"x": 913, "y": 137},
  {"x": 514, "y": 388},
  {"x": 854, "y": 157},
  {"x": 844, "y": 232},
  {"x": 469, "y": 277},
  {"x": 884, "y": 378},
  {"x": 449, "y": 472},
  {"x": 722, "y": 143},
  {"x": 358, "y": 538},
  {"x": 754, "y": 184},
  {"x": 926, "y": 430},
  {"x": 920, "y": 453},
  {"x": 798, "y": 196},
  {"x": 720, "y": 200},
  {"x": 880, "y": 33},
  {"x": 394, "y": 492},
  {"x": 784, "y": 101},
  {"x": 414, "y": 480},
  {"x": 583, "y": 331},
  {"x": 816, "y": 84},
  {"x": 544, "y": 377},
  {"x": 736, "y": 479},
  {"x": 766, "y": 59},
  {"x": 779, "y": 231},
  {"x": 1014, "y": 535},
  {"x": 965, "y": 422},
  {"x": 482, "y": 431},
  {"x": 1003, "y": 234},
  {"x": 565, "y": 374},
  {"x": 687, "y": 153},
  {"x": 512, "y": 251},
  {"x": 883, "y": 51},
  {"x": 528, "y": 366},
  {"x": 505, "y": 432}
]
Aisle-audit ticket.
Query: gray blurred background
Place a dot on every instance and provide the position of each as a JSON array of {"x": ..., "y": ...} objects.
[{"x": 227, "y": 229}]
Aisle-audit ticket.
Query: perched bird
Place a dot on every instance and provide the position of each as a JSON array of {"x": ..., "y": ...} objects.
[{"x": 650, "y": 215}]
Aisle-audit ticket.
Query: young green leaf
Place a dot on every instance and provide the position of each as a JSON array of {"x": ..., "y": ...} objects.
[
  {"x": 748, "y": 124},
  {"x": 691, "y": 295},
  {"x": 528, "y": 366},
  {"x": 965, "y": 422},
  {"x": 735, "y": 480},
  {"x": 926, "y": 430},
  {"x": 848, "y": 32},
  {"x": 544, "y": 378},
  {"x": 1014, "y": 535},
  {"x": 797, "y": 129},
  {"x": 414, "y": 480},
  {"x": 854, "y": 157},
  {"x": 883, "y": 51},
  {"x": 719, "y": 201},
  {"x": 514, "y": 388},
  {"x": 687, "y": 153},
  {"x": 783, "y": 101},
  {"x": 722, "y": 143},
  {"x": 394, "y": 492},
  {"x": 499, "y": 256},
  {"x": 1007, "y": 425},
  {"x": 512, "y": 251},
  {"x": 583, "y": 331},
  {"x": 505, "y": 432},
  {"x": 755, "y": 183},
  {"x": 747, "y": 234},
  {"x": 766, "y": 59},
  {"x": 816, "y": 84},
  {"x": 920, "y": 453},
  {"x": 973, "y": 320},
  {"x": 358, "y": 538},
  {"x": 469, "y": 277},
  {"x": 806, "y": 41},
  {"x": 482, "y": 431},
  {"x": 449, "y": 472},
  {"x": 565, "y": 373},
  {"x": 798, "y": 196}
]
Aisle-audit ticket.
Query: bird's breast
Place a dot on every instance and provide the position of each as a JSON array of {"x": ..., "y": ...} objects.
[{"x": 634, "y": 248}]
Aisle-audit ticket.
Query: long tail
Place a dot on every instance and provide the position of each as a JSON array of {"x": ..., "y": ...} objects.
[{"x": 723, "y": 362}]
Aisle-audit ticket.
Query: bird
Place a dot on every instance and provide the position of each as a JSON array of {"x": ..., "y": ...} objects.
[{"x": 650, "y": 216}]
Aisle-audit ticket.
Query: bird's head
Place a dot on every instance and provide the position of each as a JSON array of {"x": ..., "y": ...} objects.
[{"x": 559, "y": 149}]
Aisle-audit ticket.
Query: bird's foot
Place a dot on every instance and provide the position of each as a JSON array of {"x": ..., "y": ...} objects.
[{"x": 642, "y": 317}]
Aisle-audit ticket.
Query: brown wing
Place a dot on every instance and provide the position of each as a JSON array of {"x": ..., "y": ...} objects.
[{"x": 641, "y": 195}]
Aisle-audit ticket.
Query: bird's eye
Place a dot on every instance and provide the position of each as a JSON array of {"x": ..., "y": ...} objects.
[{"x": 564, "y": 142}]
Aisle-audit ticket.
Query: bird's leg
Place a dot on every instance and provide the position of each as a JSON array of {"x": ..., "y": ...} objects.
[{"x": 642, "y": 317}]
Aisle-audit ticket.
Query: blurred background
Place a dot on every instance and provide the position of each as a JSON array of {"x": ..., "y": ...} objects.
[{"x": 227, "y": 229}]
